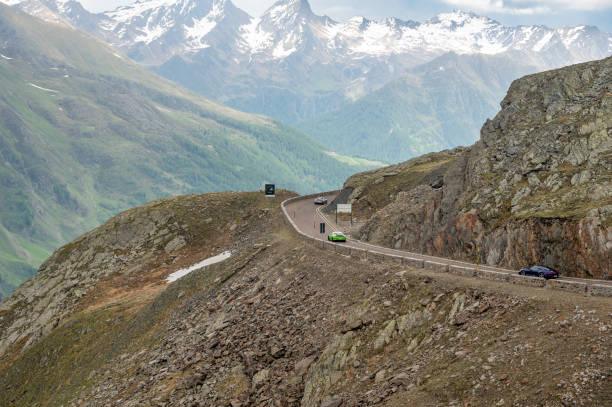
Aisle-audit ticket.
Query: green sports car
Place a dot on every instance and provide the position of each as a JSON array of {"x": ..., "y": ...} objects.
[{"x": 336, "y": 237}]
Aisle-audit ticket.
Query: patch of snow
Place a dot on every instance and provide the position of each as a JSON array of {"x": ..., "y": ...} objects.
[
  {"x": 330, "y": 33},
  {"x": 378, "y": 38},
  {"x": 211, "y": 260},
  {"x": 45, "y": 89},
  {"x": 150, "y": 34},
  {"x": 5, "y": 57},
  {"x": 524, "y": 35},
  {"x": 454, "y": 18},
  {"x": 543, "y": 41},
  {"x": 281, "y": 52},
  {"x": 200, "y": 28},
  {"x": 153, "y": 17},
  {"x": 254, "y": 37},
  {"x": 459, "y": 32},
  {"x": 62, "y": 5},
  {"x": 572, "y": 35},
  {"x": 287, "y": 46},
  {"x": 11, "y": 2},
  {"x": 126, "y": 13}
]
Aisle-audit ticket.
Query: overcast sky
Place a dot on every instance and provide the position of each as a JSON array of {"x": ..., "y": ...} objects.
[{"x": 553, "y": 13}]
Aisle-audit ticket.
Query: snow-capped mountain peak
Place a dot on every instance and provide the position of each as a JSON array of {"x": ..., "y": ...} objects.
[
  {"x": 174, "y": 26},
  {"x": 294, "y": 65},
  {"x": 283, "y": 29},
  {"x": 288, "y": 8},
  {"x": 290, "y": 26},
  {"x": 458, "y": 18},
  {"x": 151, "y": 29},
  {"x": 288, "y": 15},
  {"x": 144, "y": 8}
]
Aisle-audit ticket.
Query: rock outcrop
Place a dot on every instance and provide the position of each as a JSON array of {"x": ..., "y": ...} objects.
[
  {"x": 141, "y": 244},
  {"x": 536, "y": 188}
]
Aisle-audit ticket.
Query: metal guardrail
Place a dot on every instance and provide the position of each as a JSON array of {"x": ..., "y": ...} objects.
[{"x": 487, "y": 272}]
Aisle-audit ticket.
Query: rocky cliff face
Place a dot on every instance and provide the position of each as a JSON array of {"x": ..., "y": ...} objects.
[{"x": 536, "y": 188}]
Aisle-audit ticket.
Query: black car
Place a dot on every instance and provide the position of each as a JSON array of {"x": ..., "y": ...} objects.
[
  {"x": 540, "y": 271},
  {"x": 320, "y": 201}
]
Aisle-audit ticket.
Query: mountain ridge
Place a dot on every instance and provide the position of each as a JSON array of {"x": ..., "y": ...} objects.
[
  {"x": 85, "y": 132},
  {"x": 300, "y": 68},
  {"x": 458, "y": 31}
]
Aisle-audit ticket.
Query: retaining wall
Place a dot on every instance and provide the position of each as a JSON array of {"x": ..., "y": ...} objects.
[
  {"x": 359, "y": 254},
  {"x": 524, "y": 280},
  {"x": 573, "y": 286},
  {"x": 436, "y": 266},
  {"x": 462, "y": 271},
  {"x": 600, "y": 290},
  {"x": 493, "y": 275},
  {"x": 416, "y": 263}
]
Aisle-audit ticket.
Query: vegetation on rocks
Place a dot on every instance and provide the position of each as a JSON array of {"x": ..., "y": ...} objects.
[{"x": 535, "y": 189}]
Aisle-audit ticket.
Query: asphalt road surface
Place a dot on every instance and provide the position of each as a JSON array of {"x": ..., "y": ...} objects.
[{"x": 307, "y": 216}]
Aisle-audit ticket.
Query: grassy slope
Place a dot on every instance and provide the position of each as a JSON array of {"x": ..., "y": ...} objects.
[
  {"x": 405, "y": 176},
  {"x": 106, "y": 135},
  {"x": 439, "y": 105}
]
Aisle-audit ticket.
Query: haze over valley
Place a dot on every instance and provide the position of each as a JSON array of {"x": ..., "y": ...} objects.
[{"x": 385, "y": 90}]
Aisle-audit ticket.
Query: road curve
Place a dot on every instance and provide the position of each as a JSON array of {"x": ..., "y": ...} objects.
[{"x": 306, "y": 217}]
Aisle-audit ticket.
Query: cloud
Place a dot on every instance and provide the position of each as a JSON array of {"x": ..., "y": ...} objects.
[
  {"x": 254, "y": 7},
  {"x": 530, "y": 7},
  {"x": 340, "y": 11},
  {"x": 585, "y": 5},
  {"x": 97, "y": 6}
]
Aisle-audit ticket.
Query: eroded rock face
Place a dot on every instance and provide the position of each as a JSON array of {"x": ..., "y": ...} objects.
[
  {"x": 121, "y": 245},
  {"x": 536, "y": 188},
  {"x": 128, "y": 245}
]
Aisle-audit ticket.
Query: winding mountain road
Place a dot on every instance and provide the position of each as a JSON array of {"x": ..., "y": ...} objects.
[{"x": 306, "y": 217}]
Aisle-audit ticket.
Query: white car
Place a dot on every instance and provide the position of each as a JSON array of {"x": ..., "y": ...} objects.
[{"x": 320, "y": 201}]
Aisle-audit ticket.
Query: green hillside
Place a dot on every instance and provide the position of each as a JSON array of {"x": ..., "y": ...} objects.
[
  {"x": 86, "y": 133},
  {"x": 421, "y": 112}
]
